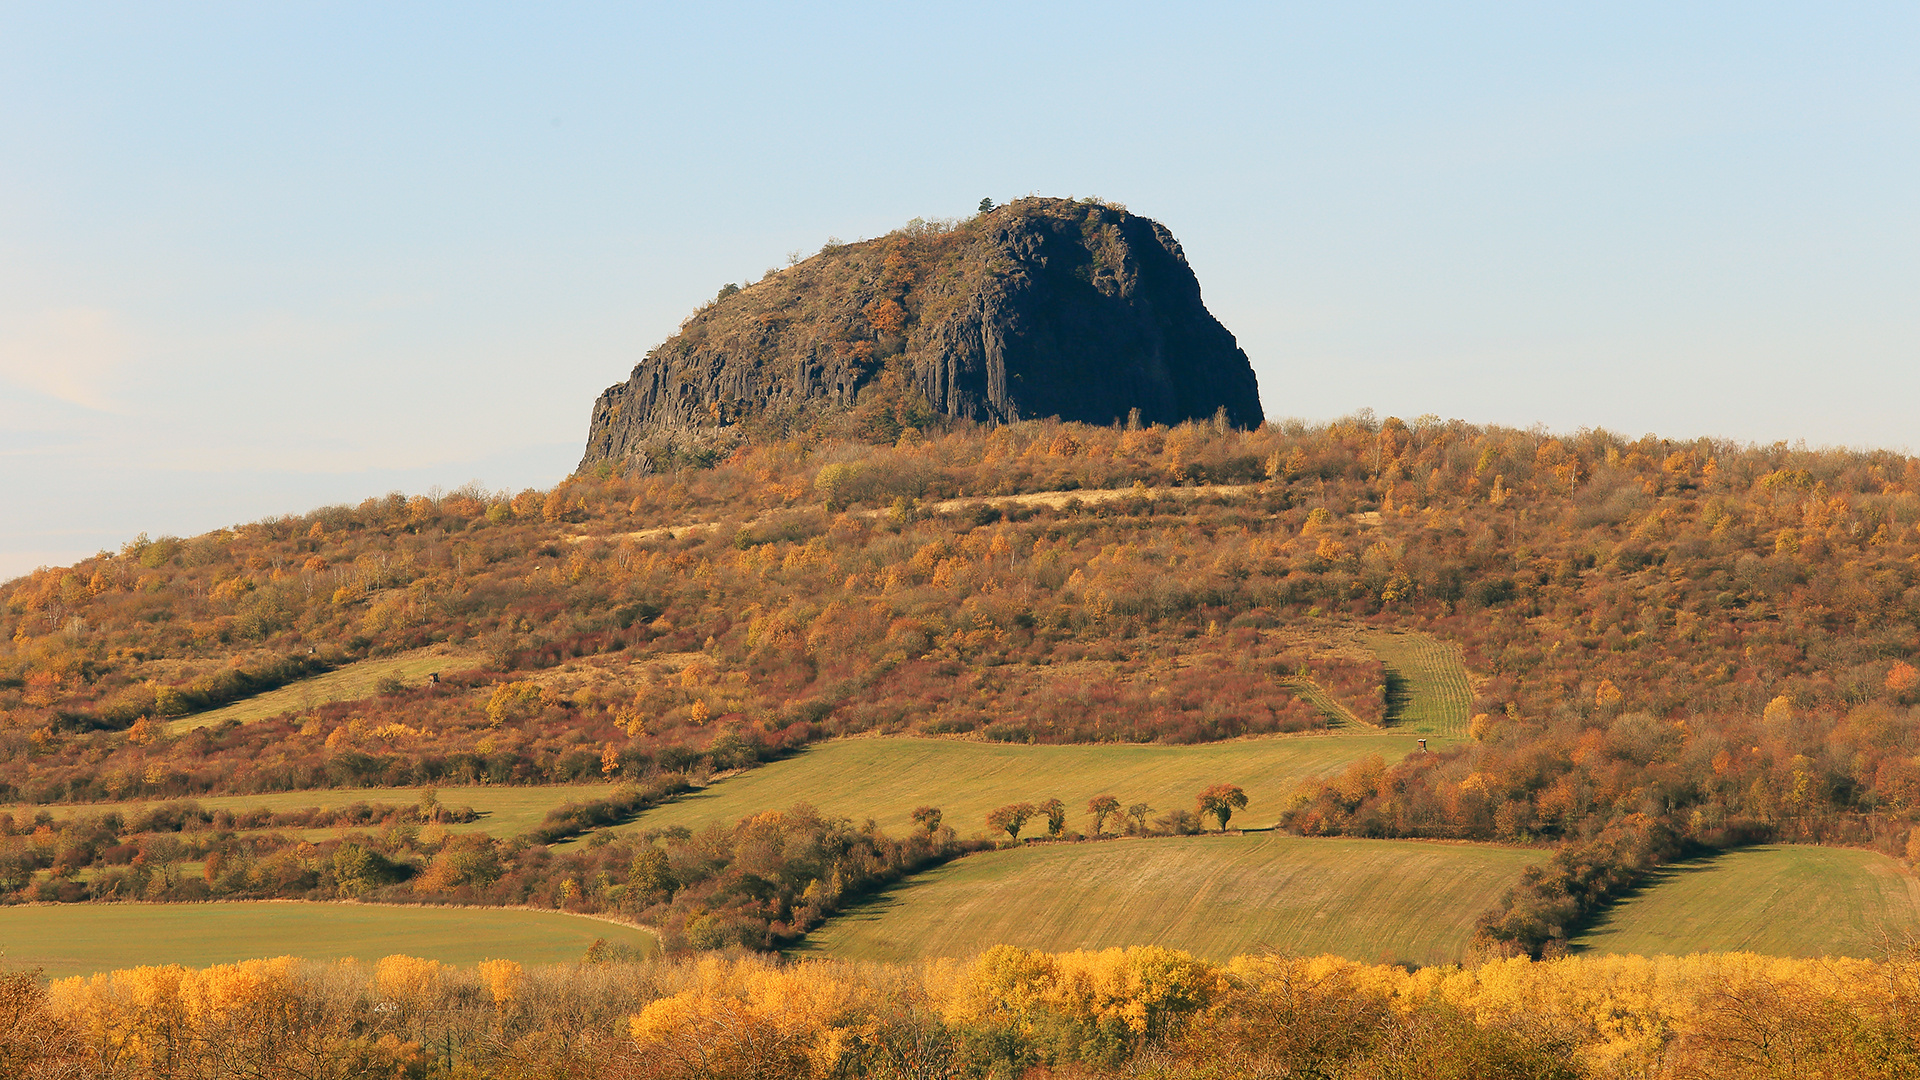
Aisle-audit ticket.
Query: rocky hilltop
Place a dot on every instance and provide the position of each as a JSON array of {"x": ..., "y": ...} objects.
[{"x": 1043, "y": 307}]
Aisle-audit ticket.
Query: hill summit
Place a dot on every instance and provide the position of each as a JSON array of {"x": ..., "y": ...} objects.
[{"x": 1043, "y": 307}]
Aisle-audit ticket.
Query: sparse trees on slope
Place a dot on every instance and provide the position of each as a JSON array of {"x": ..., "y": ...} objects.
[
  {"x": 1010, "y": 819},
  {"x": 1137, "y": 814},
  {"x": 928, "y": 818},
  {"x": 1056, "y": 812},
  {"x": 1220, "y": 801},
  {"x": 1102, "y": 807}
]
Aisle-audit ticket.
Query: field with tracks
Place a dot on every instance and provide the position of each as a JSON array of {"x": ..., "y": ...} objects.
[
  {"x": 1428, "y": 689},
  {"x": 1215, "y": 896},
  {"x": 885, "y": 778},
  {"x": 75, "y": 939},
  {"x": 1778, "y": 900}
]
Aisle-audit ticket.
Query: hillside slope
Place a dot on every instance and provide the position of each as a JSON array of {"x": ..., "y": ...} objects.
[{"x": 1664, "y": 643}]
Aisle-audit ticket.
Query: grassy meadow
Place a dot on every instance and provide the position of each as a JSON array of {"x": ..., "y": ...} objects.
[
  {"x": 77, "y": 939},
  {"x": 350, "y": 682},
  {"x": 1779, "y": 900},
  {"x": 885, "y": 778},
  {"x": 1428, "y": 689},
  {"x": 1214, "y": 896}
]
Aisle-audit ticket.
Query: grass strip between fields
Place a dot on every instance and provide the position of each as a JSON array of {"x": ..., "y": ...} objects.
[{"x": 886, "y": 778}]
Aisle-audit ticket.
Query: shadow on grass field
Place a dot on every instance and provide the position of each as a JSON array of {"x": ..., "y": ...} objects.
[
  {"x": 1779, "y": 900},
  {"x": 349, "y": 683},
  {"x": 1428, "y": 689}
]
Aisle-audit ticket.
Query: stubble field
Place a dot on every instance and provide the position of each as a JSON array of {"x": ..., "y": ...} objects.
[{"x": 1214, "y": 896}]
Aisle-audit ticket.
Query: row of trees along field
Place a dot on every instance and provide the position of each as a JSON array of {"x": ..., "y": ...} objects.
[
  {"x": 759, "y": 883},
  {"x": 1714, "y": 635},
  {"x": 1138, "y": 1013},
  {"x": 1217, "y": 802}
]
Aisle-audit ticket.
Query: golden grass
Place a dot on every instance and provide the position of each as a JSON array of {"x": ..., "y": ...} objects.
[
  {"x": 1428, "y": 689},
  {"x": 885, "y": 778},
  {"x": 78, "y": 939},
  {"x": 1780, "y": 900},
  {"x": 347, "y": 683}
]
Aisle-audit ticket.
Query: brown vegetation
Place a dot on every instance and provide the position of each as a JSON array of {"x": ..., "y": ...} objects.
[
  {"x": 1134, "y": 1013},
  {"x": 1715, "y": 637}
]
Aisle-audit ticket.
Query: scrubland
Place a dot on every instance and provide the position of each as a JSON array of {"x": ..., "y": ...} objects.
[
  {"x": 1639, "y": 650},
  {"x": 1140, "y": 1012}
]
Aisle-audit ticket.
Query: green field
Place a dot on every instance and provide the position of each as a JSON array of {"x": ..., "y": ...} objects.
[
  {"x": 504, "y": 811},
  {"x": 76, "y": 939},
  {"x": 885, "y": 778},
  {"x": 1796, "y": 900},
  {"x": 348, "y": 683},
  {"x": 1215, "y": 896},
  {"x": 1428, "y": 692}
]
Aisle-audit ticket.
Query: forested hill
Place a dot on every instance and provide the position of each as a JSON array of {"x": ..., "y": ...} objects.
[
  {"x": 1717, "y": 636},
  {"x": 1041, "y": 308}
]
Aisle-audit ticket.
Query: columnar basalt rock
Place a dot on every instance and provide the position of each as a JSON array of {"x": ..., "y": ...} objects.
[{"x": 1043, "y": 307}]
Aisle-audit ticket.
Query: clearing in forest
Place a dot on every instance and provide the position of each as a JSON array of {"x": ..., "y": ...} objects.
[
  {"x": 1428, "y": 689},
  {"x": 1780, "y": 900},
  {"x": 78, "y": 939},
  {"x": 1214, "y": 896},
  {"x": 886, "y": 778},
  {"x": 350, "y": 682}
]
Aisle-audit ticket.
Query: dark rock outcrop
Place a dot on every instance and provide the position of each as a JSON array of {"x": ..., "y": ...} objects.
[{"x": 1043, "y": 307}]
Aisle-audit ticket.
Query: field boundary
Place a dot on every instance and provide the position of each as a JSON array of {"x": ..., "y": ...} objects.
[{"x": 654, "y": 930}]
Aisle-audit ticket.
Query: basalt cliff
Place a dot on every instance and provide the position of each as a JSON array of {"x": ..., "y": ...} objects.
[{"x": 1043, "y": 307}]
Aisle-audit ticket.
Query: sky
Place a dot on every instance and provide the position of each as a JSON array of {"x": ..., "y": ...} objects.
[{"x": 259, "y": 258}]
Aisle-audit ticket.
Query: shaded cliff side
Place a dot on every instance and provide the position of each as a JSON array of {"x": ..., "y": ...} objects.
[{"x": 1043, "y": 307}]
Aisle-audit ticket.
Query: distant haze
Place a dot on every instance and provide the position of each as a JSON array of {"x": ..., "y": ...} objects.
[{"x": 257, "y": 259}]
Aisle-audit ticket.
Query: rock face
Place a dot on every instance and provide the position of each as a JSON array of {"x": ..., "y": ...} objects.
[{"x": 1043, "y": 307}]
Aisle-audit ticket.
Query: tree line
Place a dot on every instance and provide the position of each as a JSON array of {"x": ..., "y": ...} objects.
[
  {"x": 1218, "y": 802},
  {"x": 1133, "y": 1013}
]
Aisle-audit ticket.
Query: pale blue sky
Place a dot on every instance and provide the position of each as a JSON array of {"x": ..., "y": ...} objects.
[{"x": 257, "y": 258}]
